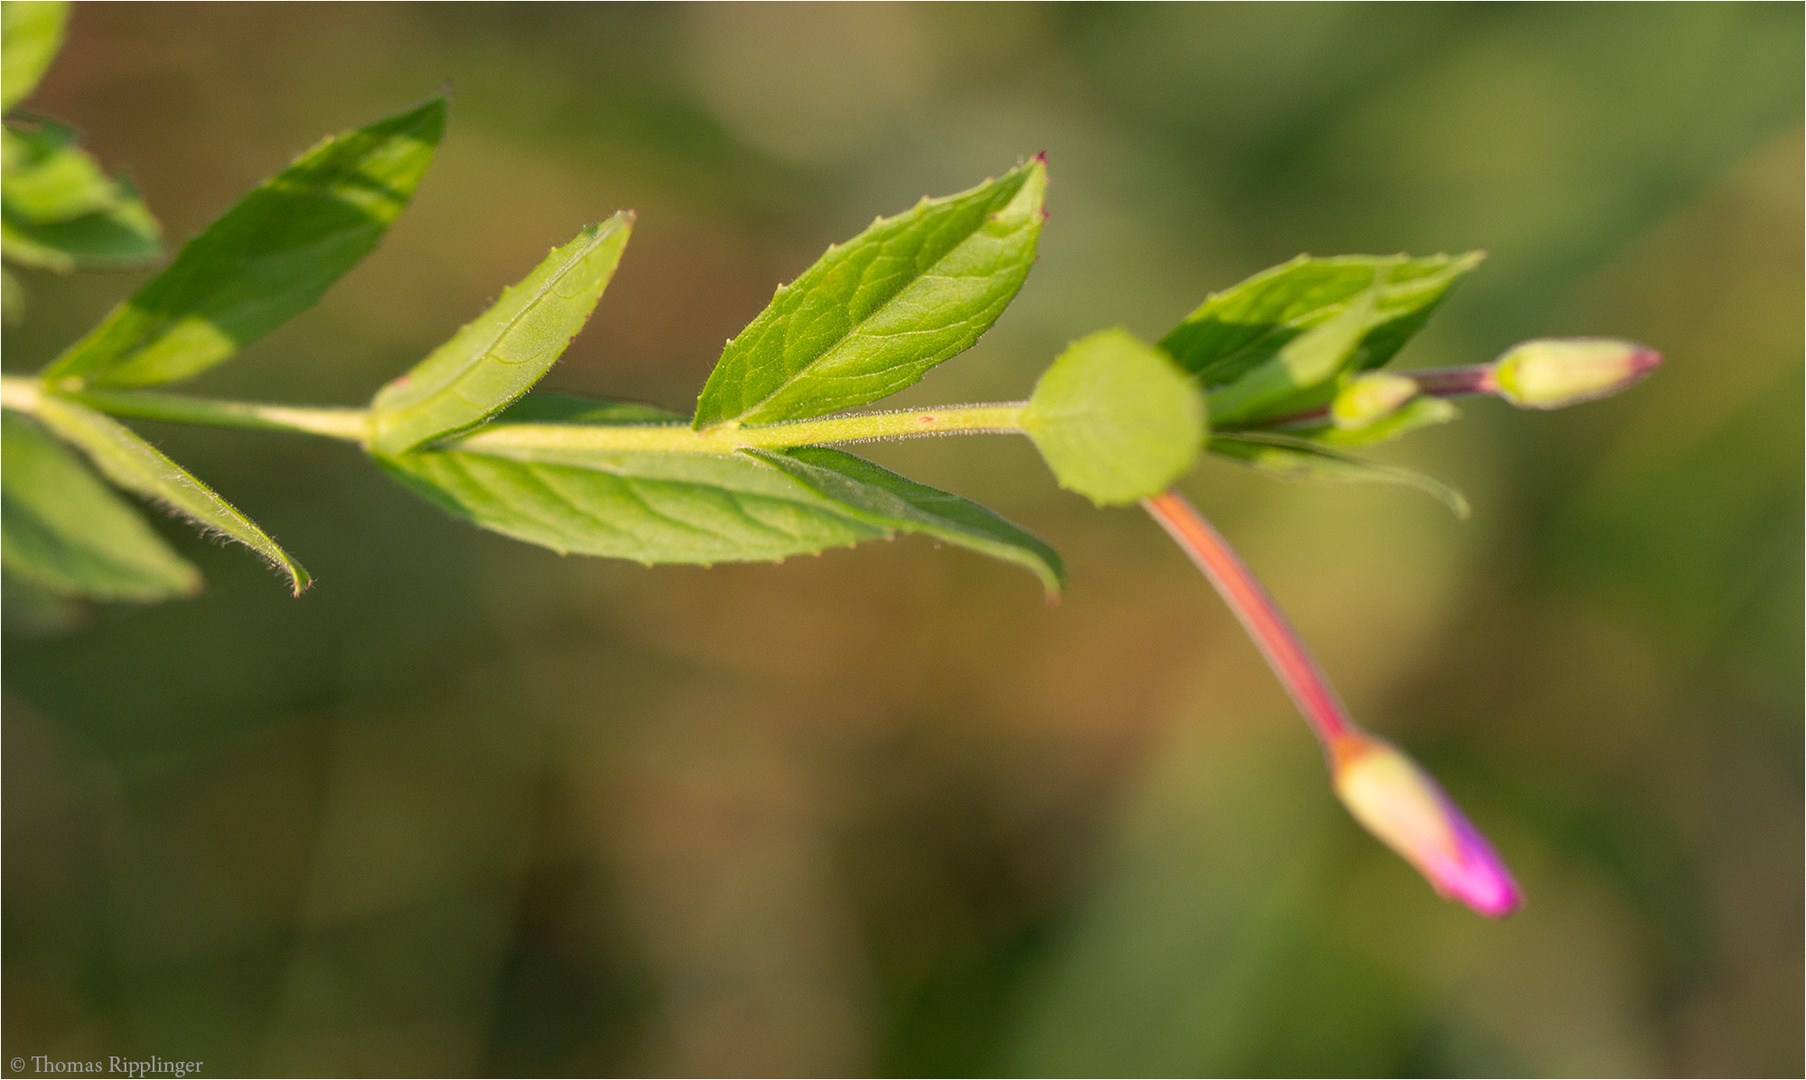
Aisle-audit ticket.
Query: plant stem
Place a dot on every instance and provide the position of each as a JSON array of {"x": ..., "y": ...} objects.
[
  {"x": 680, "y": 438},
  {"x": 1456, "y": 381},
  {"x": 1431, "y": 382},
  {"x": 352, "y": 425},
  {"x": 1259, "y": 615}
]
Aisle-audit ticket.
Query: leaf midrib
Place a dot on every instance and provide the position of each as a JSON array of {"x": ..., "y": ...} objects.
[{"x": 450, "y": 383}]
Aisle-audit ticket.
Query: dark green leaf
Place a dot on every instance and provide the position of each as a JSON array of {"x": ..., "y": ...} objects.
[
  {"x": 268, "y": 258},
  {"x": 124, "y": 236},
  {"x": 49, "y": 177},
  {"x": 58, "y": 211},
  {"x": 1242, "y": 327},
  {"x": 696, "y": 508},
  {"x": 1291, "y": 458},
  {"x": 897, "y": 502},
  {"x": 495, "y": 359},
  {"x": 31, "y": 32},
  {"x": 874, "y": 314},
  {"x": 1115, "y": 419},
  {"x": 64, "y": 531},
  {"x": 551, "y": 407},
  {"x": 139, "y": 467}
]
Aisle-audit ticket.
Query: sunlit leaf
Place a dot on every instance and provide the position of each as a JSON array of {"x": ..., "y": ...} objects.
[
  {"x": 696, "y": 508},
  {"x": 49, "y": 177},
  {"x": 1292, "y": 458},
  {"x": 1115, "y": 419},
  {"x": 31, "y": 32},
  {"x": 1303, "y": 372},
  {"x": 141, "y": 468},
  {"x": 1235, "y": 331},
  {"x": 874, "y": 314},
  {"x": 65, "y": 531},
  {"x": 59, "y": 212},
  {"x": 496, "y": 358},
  {"x": 266, "y": 259}
]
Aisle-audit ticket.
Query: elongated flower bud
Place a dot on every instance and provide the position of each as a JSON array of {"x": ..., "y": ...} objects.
[
  {"x": 1553, "y": 373},
  {"x": 1402, "y": 805},
  {"x": 1373, "y": 396},
  {"x": 1385, "y": 790}
]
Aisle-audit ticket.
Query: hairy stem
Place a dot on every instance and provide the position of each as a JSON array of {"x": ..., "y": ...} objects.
[
  {"x": 353, "y": 425},
  {"x": 350, "y": 425},
  {"x": 1259, "y": 615},
  {"x": 680, "y": 438}
]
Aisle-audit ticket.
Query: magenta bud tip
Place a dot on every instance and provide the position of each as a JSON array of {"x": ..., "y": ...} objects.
[
  {"x": 1552, "y": 373},
  {"x": 1402, "y": 805}
]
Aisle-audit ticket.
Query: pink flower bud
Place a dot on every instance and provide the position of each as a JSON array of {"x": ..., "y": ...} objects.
[
  {"x": 1398, "y": 802},
  {"x": 1553, "y": 373}
]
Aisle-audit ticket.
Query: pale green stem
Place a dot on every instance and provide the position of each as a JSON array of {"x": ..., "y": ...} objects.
[
  {"x": 682, "y": 439},
  {"x": 353, "y": 425}
]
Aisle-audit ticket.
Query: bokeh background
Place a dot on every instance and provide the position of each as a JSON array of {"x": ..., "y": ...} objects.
[{"x": 468, "y": 807}]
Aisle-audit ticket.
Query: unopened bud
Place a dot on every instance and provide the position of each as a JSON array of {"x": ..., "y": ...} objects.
[
  {"x": 1553, "y": 373},
  {"x": 1371, "y": 397},
  {"x": 1402, "y": 805}
]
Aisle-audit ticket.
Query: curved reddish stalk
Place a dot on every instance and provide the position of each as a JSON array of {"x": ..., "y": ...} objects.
[
  {"x": 1260, "y": 616},
  {"x": 1387, "y": 792}
]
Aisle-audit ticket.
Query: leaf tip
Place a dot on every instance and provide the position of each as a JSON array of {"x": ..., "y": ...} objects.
[{"x": 427, "y": 123}]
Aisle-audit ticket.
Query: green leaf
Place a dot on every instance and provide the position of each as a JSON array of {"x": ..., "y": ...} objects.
[
  {"x": 552, "y": 407},
  {"x": 1416, "y": 413},
  {"x": 495, "y": 359},
  {"x": 124, "y": 236},
  {"x": 875, "y": 313},
  {"x": 139, "y": 467},
  {"x": 31, "y": 32},
  {"x": 63, "y": 530},
  {"x": 897, "y": 502},
  {"x": 1291, "y": 458},
  {"x": 1239, "y": 329},
  {"x": 651, "y": 508},
  {"x": 1312, "y": 360},
  {"x": 1115, "y": 419},
  {"x": 49, "y": 177},
  {"x": 697, "y": 508},
  {"x": 268, "y": 258},
  {"x": 58, "y": 211}
]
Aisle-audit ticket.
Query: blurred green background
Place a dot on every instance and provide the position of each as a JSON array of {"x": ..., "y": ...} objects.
[{"x": 467, "y": 807}]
